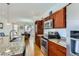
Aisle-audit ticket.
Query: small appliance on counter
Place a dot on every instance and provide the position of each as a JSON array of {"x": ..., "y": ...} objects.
[
  {"x": 53, "y": 35},
  {"x": 74, "y": 35}
]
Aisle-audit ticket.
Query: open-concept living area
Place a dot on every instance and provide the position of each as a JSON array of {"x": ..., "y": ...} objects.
[{"x": 39, "y": 29}]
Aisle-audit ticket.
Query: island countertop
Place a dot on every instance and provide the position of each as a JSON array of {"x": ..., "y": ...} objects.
[{"x": 11, "y": 48}]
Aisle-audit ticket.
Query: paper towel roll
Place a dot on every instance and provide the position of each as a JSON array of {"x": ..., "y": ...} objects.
[{"x": 77, "y": 46}]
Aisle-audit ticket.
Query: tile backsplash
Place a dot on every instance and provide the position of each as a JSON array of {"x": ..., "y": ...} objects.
[{"x": 62, "y": 32}]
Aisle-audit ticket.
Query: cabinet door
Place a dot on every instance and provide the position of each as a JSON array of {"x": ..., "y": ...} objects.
[
  {"x": 56, "y": 50},
  {"x": 40, "y": 27},
  {"x": 37, "y": 40},
  {"x": 60, "y": 19}
]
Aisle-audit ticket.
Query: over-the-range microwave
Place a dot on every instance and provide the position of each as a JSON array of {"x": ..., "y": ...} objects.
[{"x": 48, "y": 24}]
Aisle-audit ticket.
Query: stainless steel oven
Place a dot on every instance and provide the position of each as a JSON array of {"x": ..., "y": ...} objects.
[{"x": 44, "y": 46}]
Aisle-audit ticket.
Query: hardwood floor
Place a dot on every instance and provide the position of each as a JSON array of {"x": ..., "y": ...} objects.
[
  {"x": 37, "y": 51},
  {"x": 32, "y": 49}
]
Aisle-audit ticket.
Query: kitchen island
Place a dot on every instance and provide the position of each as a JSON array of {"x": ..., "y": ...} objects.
[{"x": 15, "y": 48}]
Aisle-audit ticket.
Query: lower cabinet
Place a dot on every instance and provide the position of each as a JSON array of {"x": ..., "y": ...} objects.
[
  {"x": 37, "y": 41},
  {"x": 55, "y": 50}
]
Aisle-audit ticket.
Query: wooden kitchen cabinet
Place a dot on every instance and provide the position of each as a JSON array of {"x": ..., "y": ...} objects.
[
  {"x": 38, "y": 32},
  {"x": 55, "y": 49},
  {"x": 39, "y": 27},
  {"x": 37, "y": 41},
  {"x": 59, "y": 18}
]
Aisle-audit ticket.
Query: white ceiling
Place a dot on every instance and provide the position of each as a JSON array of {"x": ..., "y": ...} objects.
[{"x": 23, "y": 11}]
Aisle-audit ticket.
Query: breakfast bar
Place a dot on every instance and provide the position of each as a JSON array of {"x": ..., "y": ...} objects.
[{"x": 15, "y": 48}]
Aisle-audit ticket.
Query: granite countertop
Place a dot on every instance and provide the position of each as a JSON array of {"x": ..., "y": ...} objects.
[
  {"x": 12, "y": 48},
  {"x": 59, "y": 42}
]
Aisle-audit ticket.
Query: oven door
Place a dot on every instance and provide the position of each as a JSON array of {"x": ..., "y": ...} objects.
[{"x": 44, "y": 46}]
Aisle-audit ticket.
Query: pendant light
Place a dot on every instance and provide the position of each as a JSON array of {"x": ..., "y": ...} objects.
[{"x": 8, "y": 14}]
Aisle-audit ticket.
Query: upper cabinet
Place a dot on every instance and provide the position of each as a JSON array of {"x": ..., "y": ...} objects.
[
  {"x": 55, "y": 20},
  {"x": 39, "y": 27},
  {"x": 59, "y": 18}
]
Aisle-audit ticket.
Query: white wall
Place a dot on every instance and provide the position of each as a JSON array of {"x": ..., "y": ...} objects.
[{"x": 73, "y": 16}]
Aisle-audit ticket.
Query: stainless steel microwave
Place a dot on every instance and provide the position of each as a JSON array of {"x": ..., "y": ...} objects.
[{"x": 48, "y": 24}]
